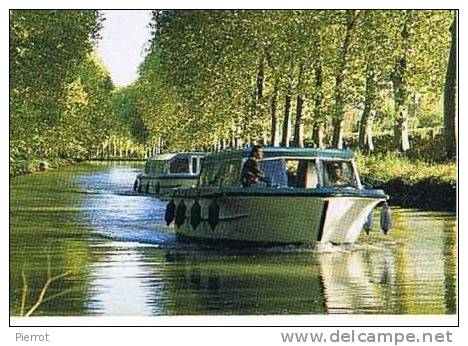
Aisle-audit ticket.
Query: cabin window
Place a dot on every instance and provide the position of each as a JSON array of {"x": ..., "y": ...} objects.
[
  {"x": 194, "y": 165},
  {"x": 290, "y": 173},
  {"x": 179, "y": 166},
  {"x": 307, "y": 175},
  {"x": 292, "y": 168},
  {"x": 159, "y": 167},
  {"x": 275, "y": 171},
  {"x": 302, "y": 174},
  {"x": 226, "y": 173},
  {"x": 210, "y": 174},
  {"x": 338, "y": 174},
  {"x": 155, "y": 167},
  {"x": 229, "y": 173}
]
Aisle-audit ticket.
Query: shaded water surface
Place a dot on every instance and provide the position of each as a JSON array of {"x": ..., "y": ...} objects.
[{"x": 117, "y": 258}]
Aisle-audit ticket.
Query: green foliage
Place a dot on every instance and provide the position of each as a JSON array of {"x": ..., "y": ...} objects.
[
  {"x": 411, "y": 183},
  {"x": 382, "y": 168},
  {"x": 60, "y": 93},
  {"x": 209, "y": 76},
  {"x": 216, "y": 78}
]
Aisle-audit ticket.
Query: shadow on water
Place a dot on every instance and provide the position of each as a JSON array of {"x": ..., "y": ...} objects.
[{"x": 124, "y": 261}]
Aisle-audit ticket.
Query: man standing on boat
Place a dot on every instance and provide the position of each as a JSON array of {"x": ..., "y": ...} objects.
[{"x": 251, "y": 173}]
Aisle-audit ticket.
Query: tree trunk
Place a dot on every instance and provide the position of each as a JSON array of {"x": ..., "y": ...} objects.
[
  {"x": 299, "y": 128},
  {"x": 287, "y": 117},
  {"x": 365, "y": 126},
  {"x": 401, "y": 110},
  {"x": 338, "y": 116},
  {"x": 317, "y": 130},
  {"x": 337, "y": 141},
  {"x": 401, "y": 97},
  {"x": 260, "y": 79},
  {"x": 317, "y": 135},
  {"x": 238, "y": 137},
  {"x": 450, "y": 96},
  {"x": 401, "y": 130},
  {"x": 275, "y": 137},
  {"x": 114, "y": 144},
  {"x": 233, "y": 137}
]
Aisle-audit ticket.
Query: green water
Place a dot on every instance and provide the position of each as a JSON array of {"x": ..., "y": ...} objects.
[{"x": 84, "y": 221}]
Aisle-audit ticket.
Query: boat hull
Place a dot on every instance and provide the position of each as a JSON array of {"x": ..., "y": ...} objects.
[{"x": 282, "y": 219}]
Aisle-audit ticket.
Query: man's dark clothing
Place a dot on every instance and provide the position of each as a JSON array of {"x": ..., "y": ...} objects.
[{"x": 251, "y": 173}]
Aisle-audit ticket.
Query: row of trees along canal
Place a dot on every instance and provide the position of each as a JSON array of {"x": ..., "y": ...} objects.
[{"x": 216, "y": 79}]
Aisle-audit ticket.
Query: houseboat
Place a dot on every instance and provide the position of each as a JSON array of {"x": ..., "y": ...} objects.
[
  {"x": 166, "y": 172},
  {"x": 302, "y": 202}
]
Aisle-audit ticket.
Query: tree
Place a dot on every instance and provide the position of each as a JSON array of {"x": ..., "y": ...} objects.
[
  {"x": 217, "y": 77},
  {"x": 450, "y": 92},
  {"x": 46, "y": 50},
  {"x": 338, "y": 116}
]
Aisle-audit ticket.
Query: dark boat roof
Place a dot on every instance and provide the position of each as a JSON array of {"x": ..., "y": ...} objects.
[{"x": 280, "y": 152}]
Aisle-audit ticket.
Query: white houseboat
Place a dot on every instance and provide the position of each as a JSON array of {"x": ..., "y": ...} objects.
[
  {"x": 166, "y": 172},
  {"x": 302, "y": 203}
]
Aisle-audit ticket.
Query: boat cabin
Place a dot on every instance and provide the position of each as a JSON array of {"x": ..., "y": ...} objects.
[
  {"x": 303, "y": 168},
  {"x": 174, "y": 164}
]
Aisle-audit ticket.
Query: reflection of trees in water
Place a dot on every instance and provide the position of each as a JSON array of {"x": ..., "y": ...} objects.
[
  {"x": 450, "y": 265},
  {"x": 359, "y": 282},
  {"x": 214, "y": 282},
  {"x": 425, "y": 262},
  {"x": 65, "y": 294},
  {"x": 46, "y": 221}
]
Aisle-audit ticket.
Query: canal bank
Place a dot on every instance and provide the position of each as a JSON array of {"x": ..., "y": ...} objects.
[
  {"x": 20, "y": 166},
  {"x": 411, "y": 183},
  {"x": 26, "y": 166}
]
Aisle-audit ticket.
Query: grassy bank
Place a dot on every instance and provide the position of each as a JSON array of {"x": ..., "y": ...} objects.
[
  {"x": 20, "y": 166},
  {"x": 414, "y": 184}
]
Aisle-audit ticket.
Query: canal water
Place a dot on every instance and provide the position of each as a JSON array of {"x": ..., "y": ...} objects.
[{"x": 109, "y": 253}]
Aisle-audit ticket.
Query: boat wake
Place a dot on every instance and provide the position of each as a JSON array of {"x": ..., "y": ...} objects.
[{"x": 138, "y": 235}]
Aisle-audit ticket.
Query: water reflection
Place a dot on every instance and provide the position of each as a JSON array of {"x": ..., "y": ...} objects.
[
  {"x": 213, "y": 282},
  {"x": 426, "y": 263},
  {"x": 121, "y": 284},
  {"x": 125, "y": 262},
  {"x": 359, "y": 282}
]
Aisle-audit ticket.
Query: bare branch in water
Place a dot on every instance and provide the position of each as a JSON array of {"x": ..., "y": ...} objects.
[
  {"x": 24, "y": 291},
  {"x": 40, "y": 300},
  {"x": 42, "y": 296}
]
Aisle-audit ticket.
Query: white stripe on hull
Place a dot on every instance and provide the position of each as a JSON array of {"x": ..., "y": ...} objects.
[{"x": 282, "y": 219}]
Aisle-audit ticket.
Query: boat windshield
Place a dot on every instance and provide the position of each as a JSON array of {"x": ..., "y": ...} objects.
[
  {"x": 338, "y": 174},
  {"x": 283, "y": 173}
]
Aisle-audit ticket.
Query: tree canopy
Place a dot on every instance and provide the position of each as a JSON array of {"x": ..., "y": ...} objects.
[{"x": 217, "y": 78}]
